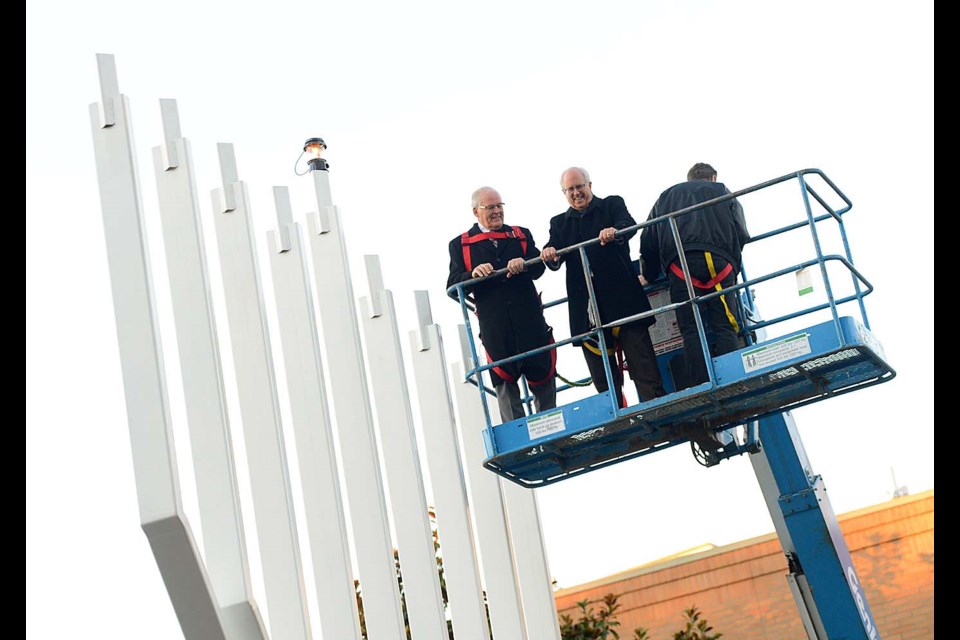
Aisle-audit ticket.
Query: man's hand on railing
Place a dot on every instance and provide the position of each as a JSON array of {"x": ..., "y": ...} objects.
[
  {"x": 549, "y": 254},
  {"x": 515, "y": 266},
  {"x": 607, "y": 235},
  {"x": 482, "y": 270}
]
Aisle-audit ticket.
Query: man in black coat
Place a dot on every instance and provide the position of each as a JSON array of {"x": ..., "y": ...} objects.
[
  {"x": 712, "y": 238},
  {"x": 508, "y": 307},
  {"x": 618, "y": 291}
]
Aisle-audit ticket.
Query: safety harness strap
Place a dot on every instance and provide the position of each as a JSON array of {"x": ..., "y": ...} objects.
[
  {"x": 533, "y": 383},
  {"x": 713, "y": 283},
  {"x": 466, "y": 240}
]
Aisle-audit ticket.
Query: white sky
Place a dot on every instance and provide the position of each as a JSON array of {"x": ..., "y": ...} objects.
[{"x": 420, "y": 103}]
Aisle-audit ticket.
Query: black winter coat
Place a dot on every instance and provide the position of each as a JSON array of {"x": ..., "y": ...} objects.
[
  {"x": 509, "y": 310},
  {"x": 719, "y": 228},
  {"x": 615, "y": 283}
]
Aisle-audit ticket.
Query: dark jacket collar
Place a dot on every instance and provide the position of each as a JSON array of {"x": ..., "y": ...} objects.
[{"x": 573, "y": 213}]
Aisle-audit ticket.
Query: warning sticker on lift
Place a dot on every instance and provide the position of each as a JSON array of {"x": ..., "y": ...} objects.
[
  {"x": 776, "y": 352},
  {"x": 665, "y": 333},
  {"x": 544, "y": 425}
]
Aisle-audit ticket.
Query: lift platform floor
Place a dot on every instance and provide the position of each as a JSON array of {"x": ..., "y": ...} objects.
[{"x": 782, "y": 373}]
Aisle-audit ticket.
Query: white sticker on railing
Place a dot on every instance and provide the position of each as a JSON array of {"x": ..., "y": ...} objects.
[
  {"x": 545, "y": 424},
  {"x": 804, "y": 282},
  {"x": 776, "y": 352}
]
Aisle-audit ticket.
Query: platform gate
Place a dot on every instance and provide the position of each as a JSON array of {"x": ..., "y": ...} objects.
[{"x": 477, "y": 514}]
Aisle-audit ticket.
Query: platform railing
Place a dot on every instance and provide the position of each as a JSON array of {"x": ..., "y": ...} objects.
[{"x": 745, "y": 288}]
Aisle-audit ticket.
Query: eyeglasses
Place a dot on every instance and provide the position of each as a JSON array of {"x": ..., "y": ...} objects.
[
  {"x": 576, "y": 187},
  {"x": 485, "y": 207}
]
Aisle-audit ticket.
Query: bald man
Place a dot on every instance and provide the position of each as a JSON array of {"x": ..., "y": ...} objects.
[
  {"x": 508, "y": 306},
  {"x": 618, "y": 291}
]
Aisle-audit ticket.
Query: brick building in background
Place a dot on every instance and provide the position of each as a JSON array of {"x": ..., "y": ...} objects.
[{"x": 741, "y": 589}]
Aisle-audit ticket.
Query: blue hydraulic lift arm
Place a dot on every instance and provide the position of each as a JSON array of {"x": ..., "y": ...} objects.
[{"x": 822, "y": 578}]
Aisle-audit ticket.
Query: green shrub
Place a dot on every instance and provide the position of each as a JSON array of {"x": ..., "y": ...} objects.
[
  {"x": 591, "y": 626},
  {"x": 695, "y": 628},
  {"x": 600, "y": 625}
]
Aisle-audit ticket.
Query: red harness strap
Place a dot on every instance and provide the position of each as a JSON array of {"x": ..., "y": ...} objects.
[
  {"x": 500, "y": 372},
  {"x": 533, "y": 383},
  {"x": 466, "y": 240},
  {"x": 710, "y": 284}
]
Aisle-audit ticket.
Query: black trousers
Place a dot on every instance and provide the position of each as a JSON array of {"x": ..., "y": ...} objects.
[
  {"x": 722, "y": 318},
  {"x": 641, "y": 363}
]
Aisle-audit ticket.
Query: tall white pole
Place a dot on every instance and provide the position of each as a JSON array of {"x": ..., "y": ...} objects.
[
  {"x": 408, "y": 502},
  {"x": 382, "y": 610},
  {"x": 213, "y": 462},
  {"x": 259, "y": 409},
  {"x": 458, "y": 546},
  {"x": 313, "y": 431},
  {"x": 141, "y": 361},
  {"x": 490, "y": 511},
  {"x": 530, "y": 555}
]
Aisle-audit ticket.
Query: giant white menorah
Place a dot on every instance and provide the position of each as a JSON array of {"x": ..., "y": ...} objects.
[{"x": 481, "y": 520}]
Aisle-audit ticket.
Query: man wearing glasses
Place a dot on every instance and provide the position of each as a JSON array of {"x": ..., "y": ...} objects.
[
  {"x": 616, "y": 286},
  {"x": 508, "y": 306}
]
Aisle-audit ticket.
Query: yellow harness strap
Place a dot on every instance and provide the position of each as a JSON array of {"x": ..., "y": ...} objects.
[
  {"x": 595, "y": 350},
  {"x": 713, "y": 274}
]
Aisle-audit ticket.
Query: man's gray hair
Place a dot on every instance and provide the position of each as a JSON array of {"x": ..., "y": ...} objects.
[
  {"x": 475, "y": 197},
  {"x": 583, "y": 172}
]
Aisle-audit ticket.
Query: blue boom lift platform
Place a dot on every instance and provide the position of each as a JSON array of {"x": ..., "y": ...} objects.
[{"x": 800, "y": 356}]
